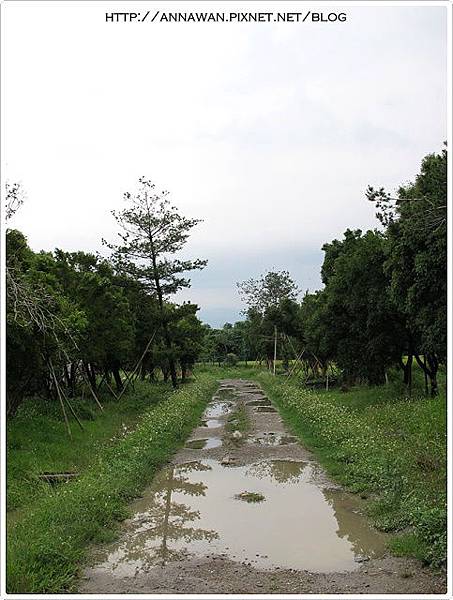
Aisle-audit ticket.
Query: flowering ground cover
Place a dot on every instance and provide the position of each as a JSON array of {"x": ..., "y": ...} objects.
[{"x": 384, "y": 446}]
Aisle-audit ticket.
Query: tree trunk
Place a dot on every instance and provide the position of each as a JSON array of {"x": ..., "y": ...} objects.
[
  {"x": 425, "y": 375},
  {"x": 143, "y": 372},
  {"x": 117, "y": 378},
  {"x": 107, "y": 376},
  {"x": 67, "y": 376},
  {"x": 275, "y": 349},
  {"x": 431, "y": 370},
  {"x": 91, "y": 374},
  {"x": 165, "y": 374},
  {"x": 171, "y": 361},
  {"x": 72, "y": 375},
  {"x": 407, "y": 369},
  {"x": 160, "y": 297}
]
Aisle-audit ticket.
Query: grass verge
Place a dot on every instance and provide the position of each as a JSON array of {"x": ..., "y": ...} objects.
[
  {"x": 238, "y": 421},
  {"x": 47, "y": 546},
  {"x": 31, "y": 453},
  {"x": 380, "y": 445}
]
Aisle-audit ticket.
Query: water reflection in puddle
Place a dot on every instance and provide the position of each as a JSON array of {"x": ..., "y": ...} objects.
[
  {"x": 217, "y": 409},
  {"x": 192, "y": 510},
  {"x": 211, "y": 423},
  {"x": 274, "y": 439},
  {"x": 205, "y": 443}
]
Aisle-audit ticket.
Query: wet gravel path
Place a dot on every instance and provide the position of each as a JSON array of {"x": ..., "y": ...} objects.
[{"x": 245, "y": 508}]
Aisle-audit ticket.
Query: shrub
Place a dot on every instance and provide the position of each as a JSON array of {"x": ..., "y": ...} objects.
[{"x": 231, "y": 359}]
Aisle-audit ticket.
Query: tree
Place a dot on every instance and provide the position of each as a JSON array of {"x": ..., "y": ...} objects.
[
  {"x": 317, "y": 333},
  {"x": 108, "y": 339},
  {"x": 267, "y": 291},
  {"x": 152, "y": 231},
  {"x": 265, "y": 298},
  {"x": 416, "y": 230},
  {"x": 44, "y": 326},
  {"x": 364, "y": 328},
  {"x": 187, "y": 333}
]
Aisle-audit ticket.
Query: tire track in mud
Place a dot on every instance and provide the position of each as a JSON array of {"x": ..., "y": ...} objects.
[{"x": 245, "y": 508}]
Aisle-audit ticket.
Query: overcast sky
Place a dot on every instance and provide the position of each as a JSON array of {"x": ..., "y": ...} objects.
[{"x": 269, "y": 132}]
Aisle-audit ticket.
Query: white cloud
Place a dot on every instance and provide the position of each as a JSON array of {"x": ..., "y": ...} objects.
[{"x": 269, "y": 132}]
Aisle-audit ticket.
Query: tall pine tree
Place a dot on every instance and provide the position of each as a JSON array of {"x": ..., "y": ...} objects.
[{"x": 152, "y": 232}]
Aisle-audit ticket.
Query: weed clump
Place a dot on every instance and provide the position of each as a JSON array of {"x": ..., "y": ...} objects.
[{"x": 250, "y": 497}]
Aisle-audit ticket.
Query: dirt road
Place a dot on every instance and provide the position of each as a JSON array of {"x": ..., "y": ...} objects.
[{"x": 244, "y": 508}]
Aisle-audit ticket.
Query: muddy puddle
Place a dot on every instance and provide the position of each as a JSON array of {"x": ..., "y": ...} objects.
[
  {"x": 273, "y": 439},
  {"x": 192, "y": 510},
  {"x": 217, "y": 409},
  {"x": 211, "y": 423},
  {"x": 204, "y": 443}
]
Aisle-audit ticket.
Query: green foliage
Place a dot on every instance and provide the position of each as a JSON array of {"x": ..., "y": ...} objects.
[
  {"x": 416, "y": 263},
  {"x": 108, "y": 338},
  {"x": 42, "y": 322},
  {"x": 250, "y": 497},
  {"x": 152, "y": 231},
  {"x": 231, "y": 359},
  {"x": 363, "y": 330},
  {"x": 271, "y": 309},
  {"x": 231, "y": 339},
  {"x": 74, "y": 313},
  {"x": 268, "y": 291},
  {"x": 187, "y": 333},
  {"x": 238, "y": 420},
  {"x": 384, "y": 295}
]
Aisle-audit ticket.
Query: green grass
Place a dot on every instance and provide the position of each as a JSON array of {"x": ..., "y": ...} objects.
[
  {"x": 378, "y": 443},
  {"x": 37, "y": 439},
  {"x": 47, "y": 545},
  {"x": 237, "y": 420},
  {"x": 250, "y": 497}
]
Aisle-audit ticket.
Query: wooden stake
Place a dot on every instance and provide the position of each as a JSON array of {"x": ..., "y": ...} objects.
[
  {"x": 114, "y": 394},
  {"x": 85, "y": 378},
  {"x": 425, "y": 374},
  {"x": 136, "y": 366},
  {"x": 66, "y": 420},
  {"x": 72, "y": 410}
]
